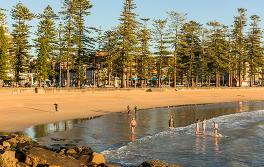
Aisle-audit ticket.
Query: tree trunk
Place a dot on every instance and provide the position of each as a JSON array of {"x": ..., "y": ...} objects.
[
  {"x": 229, "y": 78},
  {"x": 60, "y": 76},
  {"x": 109, "y": 70},
  {"x": 175, "y": 72},
  {"x": 68, "y": 75},
  {"x": 124, "y": 82}
]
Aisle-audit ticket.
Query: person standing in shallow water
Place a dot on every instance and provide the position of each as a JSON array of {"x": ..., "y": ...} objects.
[
  {"x": 128, "y": 110},
  {"x": 133, "y": 125},
  {"x": 135, "y": 109},
  {"x": 197, "y": 128},
  {"x": 216, "y": 128},
  {"x": 171, "y": 122},
  {"x": 203, "y": 125}
]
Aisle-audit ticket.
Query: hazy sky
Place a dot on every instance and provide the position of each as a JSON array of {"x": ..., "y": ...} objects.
[{"x": 105, "y": 13}]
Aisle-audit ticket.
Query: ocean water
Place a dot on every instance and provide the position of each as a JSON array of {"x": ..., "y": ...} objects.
[
  {"x": 241, "y": 124},
  {"x": 242, "y": 144}
]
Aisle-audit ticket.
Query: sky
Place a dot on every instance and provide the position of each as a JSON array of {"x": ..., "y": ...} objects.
[{"x": 105, "y": 13}]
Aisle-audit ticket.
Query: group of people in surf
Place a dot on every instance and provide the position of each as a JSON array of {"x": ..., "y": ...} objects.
[
  {"x": 133, "y": 124},
  {"x": 197, "y": 127},
  {"x": 215, "y": 128}
]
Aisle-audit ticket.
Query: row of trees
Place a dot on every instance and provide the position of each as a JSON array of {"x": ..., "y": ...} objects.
[{"x": 186, "y": 51}]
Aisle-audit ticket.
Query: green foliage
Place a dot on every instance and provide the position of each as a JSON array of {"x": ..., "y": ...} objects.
[
  {"x": 239, "y": 43},
  {"x": 66, "y": 33},
  {"x": 128, "y": 37},
  {"x": 46, "y": 43},
  {"x": 4, "y": 56},
  {"x": 20, "y": 15},
  {"x": 143, "y": 58},
  {"x": 189, "y": 50},
  {"x": 254, "y": 48},
  {"x": 80, "y": 11},
  {"x": 160, "y": 37},
  {"x": 217, "y": 49},
  {"x": 176, "y": 20}
]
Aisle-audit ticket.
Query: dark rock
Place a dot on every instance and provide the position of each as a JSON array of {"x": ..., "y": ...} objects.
[
  {"x": 86, "y": 151},
  {"x": 148, "y": 90},
  {"x": 20, "y": 155},
  {"x": 157, "y": 163},
  {"x": 112, "y": 165},
  {"x": 78, "y": 149},
  {"x": 84, "y": 159},
  {"x": 22, "y": 164},
  {"x": 62, "y": 152},
  {"x": 39, "y": 156},
  {"x": 70, "y": 145}
]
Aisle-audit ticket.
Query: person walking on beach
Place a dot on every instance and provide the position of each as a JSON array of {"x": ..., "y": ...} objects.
[
  {"x": 133, "y": 125},
  {"x": 197, "y": 127},
  {"x": 171, "y": 122},
  {"x": 203, "y": 125},
  {"x": 56, "y": 106},
  {"x": 216, "y": 128}
]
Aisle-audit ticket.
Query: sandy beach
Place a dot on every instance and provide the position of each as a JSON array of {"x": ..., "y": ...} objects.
[{"x": 22, "y": 109}]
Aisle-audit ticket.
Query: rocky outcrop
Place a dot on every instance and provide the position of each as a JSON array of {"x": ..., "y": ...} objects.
[
  {"x": 97, "y": 159},
  {"x": 8, "y": 159},
  {"x": 21, "y": 151},
  {"x": 40, "y": 156}
]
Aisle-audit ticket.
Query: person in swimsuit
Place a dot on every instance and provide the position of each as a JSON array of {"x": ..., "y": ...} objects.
[
  {"x": 171, "y": 122},
  {"x": 203, "y": 125},
  {"x": 133, "y": 125},
  {"x": 216, "y": 129},
  {"x": 197, "y": 127}
]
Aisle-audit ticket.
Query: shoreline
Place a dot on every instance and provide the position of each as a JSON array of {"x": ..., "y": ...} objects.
[{"x": 26, "y": 109}]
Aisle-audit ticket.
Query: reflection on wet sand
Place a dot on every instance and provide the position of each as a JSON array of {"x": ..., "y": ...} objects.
[{"x": 43, "y": 130}]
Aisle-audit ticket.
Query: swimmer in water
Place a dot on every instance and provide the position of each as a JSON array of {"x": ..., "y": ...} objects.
[
  {"x": 133, "y": 125},
  {"x": 197, "y": 127}
]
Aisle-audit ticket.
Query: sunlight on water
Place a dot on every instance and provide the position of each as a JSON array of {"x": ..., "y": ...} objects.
[{"x": 241, "y": 144}]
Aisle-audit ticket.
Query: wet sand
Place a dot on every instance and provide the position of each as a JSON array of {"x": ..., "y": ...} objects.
[{"x": 19, "y": 110}]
